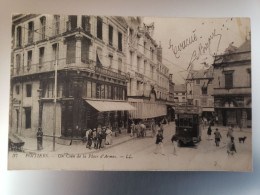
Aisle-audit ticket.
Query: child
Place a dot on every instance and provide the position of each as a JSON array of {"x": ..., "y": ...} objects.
[{"x": 231, "y": 147}]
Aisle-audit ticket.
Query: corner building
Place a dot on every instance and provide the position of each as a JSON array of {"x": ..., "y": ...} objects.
[{"x": 90, "y": 52}]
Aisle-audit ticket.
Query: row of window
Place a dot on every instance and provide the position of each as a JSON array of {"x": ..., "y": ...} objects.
[
  {"x": 71, "y": 24},
  {"x": 90, "y": 89},
  {"x": 197, "y": 82},
  {"x": 55, "y": 48},
  {"x": 228, "y": 81},
  {"x": 41, "y": 31},
  {"x": 28, "y": 88},
  {"x": 133, "y": 37}
]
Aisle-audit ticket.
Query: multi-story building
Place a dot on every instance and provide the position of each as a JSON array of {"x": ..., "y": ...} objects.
[
  {"x": 170, "y": 102},
  {"x": 148, "y": 88},
  {"x": 200, "y": 90},
  {"x": 232, "y": 81},
  {"x": 90, "y": 54},
  {"x": 180, "y": 94},
  {"x": 171, "y": 89}
]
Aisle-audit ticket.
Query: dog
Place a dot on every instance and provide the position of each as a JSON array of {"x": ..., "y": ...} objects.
[{"x": 242, "y": 139}]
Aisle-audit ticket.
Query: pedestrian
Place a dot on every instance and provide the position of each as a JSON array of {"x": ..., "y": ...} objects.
[
  {"x": 143, "y": 129},
  {"x": 216, "y": 119},
  {"x": 157, "y": 129},
  {"x": 89, "y": 138},
  {"x": 103, "y": 136},
  {"x": 240, "y": 125},
  {"x": 138, "y": 129},
  {"x": 209, "y": 131},
  {"x": 202, "y": 122},
  {"x": 95, "y": 138},
  {"x": 217, "y": 137},
  {"x": 161, "y": 127},
  {"x": 159, "y": 144},
  {"x": 231, "y": 147},
  {"x": 108, "y": 136},
  {"x": 205, "y": 121},
  {"x": 153, "y": 128},
  {"x": 230, "y": 132},
  {"x": 174, "y": 140},
  {"x": 133, "y": 128},
  {"x": 99, "y": 139},
  {"x": 99, "y": 129},
  {"x": 39, "y": 138}
]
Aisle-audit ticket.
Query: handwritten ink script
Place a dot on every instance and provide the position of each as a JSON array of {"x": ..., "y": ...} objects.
[
  {"x": 206, "y": 47},
  {"x": 202, "y": 48},
  {"x": 176, "y": 49}
]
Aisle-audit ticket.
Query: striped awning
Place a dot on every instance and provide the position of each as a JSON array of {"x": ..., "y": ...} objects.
[{"x": 104, "y": 106}]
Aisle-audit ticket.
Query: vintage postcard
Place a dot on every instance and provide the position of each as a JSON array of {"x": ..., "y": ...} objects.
[{"x": 130, "y": 93}]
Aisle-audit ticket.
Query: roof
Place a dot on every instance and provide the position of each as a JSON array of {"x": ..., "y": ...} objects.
[
  {"x": 180, "y": 88},
  {"x": 234, "y": 54},
  {"x": 201, "y": 74}
]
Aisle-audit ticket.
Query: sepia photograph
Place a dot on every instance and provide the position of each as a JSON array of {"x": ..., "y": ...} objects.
[{"x": 130, "y": 93}]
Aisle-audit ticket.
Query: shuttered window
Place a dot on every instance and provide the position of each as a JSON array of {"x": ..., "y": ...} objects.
[{"x": 228, "y": 80}]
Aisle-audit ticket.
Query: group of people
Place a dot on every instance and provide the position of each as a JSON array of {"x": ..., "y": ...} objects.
[
  {"x": 98, "y": 137},
  {"x": 140, "y": 129},
  {"x": 231, "y": 148},
  {"x": 159, "y": 143},
  {"x": 216, "y": 134}
]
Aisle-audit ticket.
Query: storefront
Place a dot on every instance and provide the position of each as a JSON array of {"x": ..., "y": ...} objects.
[
  {"x": 80, "y": 114},
  {"x": 233, "y": 111},
  {"x": 147, "y": 108}
]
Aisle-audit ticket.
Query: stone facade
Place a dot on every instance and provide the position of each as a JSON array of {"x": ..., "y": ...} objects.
[
  {"x": 232, "y": 81},
  {"x": 91, "y": 64},
  {"x": 200, "y": 89}
]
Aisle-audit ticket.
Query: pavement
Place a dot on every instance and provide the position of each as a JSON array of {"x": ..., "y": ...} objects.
[
  {"x": 30, "y": 145},
  {"x": 138, "y": 153}
]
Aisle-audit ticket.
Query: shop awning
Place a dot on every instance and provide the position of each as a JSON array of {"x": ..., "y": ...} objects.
[
  {"x": 104, "y": 106},
  {"x": 207, "y": 109}
]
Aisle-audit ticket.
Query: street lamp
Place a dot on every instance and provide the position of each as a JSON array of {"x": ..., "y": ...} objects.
[{"x": 39, "y": 134}]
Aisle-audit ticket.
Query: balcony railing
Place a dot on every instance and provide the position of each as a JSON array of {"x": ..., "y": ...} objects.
[
  {"x": 234, "y": 90},
  {"x": 46, "y": 66},
  {"x": 111, "y": 73},
  {"x": 137, "y": 74}
]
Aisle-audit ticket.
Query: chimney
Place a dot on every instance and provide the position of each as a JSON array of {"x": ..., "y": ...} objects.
[
  {"x": 159, "y": 53},
  {"x": 170, "y": 77}
]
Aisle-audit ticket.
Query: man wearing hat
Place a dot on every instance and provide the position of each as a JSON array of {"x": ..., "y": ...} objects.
[
  {"x": 95, "y": 138},
  {"x": 103, "y": 137},
  {"x": 89, "y": 136}
]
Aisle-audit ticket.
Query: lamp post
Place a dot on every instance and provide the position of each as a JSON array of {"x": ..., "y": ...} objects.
[
  {"x": 55, "y": 100},
  {"x": 39, "y": 132}
]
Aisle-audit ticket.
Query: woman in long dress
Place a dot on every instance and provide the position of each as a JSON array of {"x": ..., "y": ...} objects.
[{"x": 108, "y": 136}]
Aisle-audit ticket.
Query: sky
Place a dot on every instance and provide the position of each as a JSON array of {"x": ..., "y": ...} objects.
[{"x": 202, "y": 37}]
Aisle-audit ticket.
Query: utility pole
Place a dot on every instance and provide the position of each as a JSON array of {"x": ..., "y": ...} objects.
[{"x": 55, "y": 100}]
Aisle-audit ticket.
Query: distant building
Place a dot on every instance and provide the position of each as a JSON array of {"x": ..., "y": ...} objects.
[
  {"x": 171, "y": 89},
  {"x": 148, "y": 88},
  {"x": 200, "y": 90},
  {"x": 180, "y": 94},
  {"x": 232, "y": 81}
]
